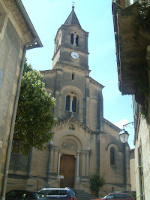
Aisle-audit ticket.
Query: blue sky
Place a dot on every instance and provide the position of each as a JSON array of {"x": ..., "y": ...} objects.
[{"x": 96, "y": 18}]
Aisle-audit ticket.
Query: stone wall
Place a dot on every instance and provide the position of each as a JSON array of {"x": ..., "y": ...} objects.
[
  {"x": 14, "y": 35},
  {"x": 142, "y": 159}
]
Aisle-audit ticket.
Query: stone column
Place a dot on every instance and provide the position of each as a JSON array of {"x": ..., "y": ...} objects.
[
  {"x": 77, "y": 167},
  {"x": 77, "y": 178},
  {"x": 58, "y": 167},
  {"x": 55, "y": 160},
  {"x": 83, "y": 164},
  {"x": 87, "y": 164},
  {"x": 87, "y": 103},
  {"x": 57, "y": 103},
  {"x": 71, "y": 100},
  {"x": 74, "y": 39},
  {"x": 49, "y": 159},
  {"x": 87, "y": 110}
]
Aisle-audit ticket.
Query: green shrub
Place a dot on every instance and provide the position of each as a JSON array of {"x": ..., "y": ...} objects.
[{"x": 96, "y": 182}]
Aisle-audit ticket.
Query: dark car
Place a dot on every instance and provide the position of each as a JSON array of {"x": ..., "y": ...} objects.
[
  {"x": 24, "y": 195},
  {"x": 117, "y": 196},
  {"x": 59, "y": 193}
]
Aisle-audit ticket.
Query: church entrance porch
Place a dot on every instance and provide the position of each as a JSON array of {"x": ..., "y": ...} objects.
[
  {"x": 69, "y": 162},
  {"x": 67, "y": 171}
]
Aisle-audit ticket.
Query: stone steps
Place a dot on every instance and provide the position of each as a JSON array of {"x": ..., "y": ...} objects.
[{"x": 82, "y": 195}]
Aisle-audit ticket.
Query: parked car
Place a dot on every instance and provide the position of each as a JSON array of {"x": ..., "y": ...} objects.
[
  {"x": 24, "y": 195},
  {"x": 116, "y": 196},
  {"x": 131, "y": 193},
  {"x": 59, "y": 193}
]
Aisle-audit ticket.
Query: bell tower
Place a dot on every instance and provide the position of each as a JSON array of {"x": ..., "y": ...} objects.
[{"x": 71, "y": 44}]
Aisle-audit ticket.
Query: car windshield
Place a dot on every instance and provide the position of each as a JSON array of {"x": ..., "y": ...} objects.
[
  {"x": 42, "y": 191},
  {"x": 53, "y": 192},
  {"x": 104, "y": 197}
]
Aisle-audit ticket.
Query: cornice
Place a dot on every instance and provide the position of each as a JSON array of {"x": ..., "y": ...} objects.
[
  {"x": 111, "y": 125},
  {"x": 21, "y": 18},
  {"x": 68, "y": 65},
  {"x": 83, "y": 126},
  {"x": 50, "y": 71},
  {"x": 96, "y": 83},
  {"x": 72, "y": 67}
]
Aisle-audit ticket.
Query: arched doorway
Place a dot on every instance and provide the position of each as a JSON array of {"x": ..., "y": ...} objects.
[{"x": 67, "y": 171}]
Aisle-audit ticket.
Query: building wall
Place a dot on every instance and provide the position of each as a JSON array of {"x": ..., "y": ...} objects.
[
  {"x": 142, "y": 161},
  {"x": 10, "y": 56},
  {"x": 132, "y": 170},
  {"x": 80, "y": 85},
  {"x": 14, "y": 35},
  {"x": 41, "y": 169},
  {"x": 114, "y": 173},
  {"x": 125, "y": 3}
]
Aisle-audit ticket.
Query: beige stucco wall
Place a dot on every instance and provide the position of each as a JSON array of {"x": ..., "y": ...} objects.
[
  {"x": 132, "y": 170},
  {"x": 14, "y": 35},
  {"x": 143, "y": 142}
]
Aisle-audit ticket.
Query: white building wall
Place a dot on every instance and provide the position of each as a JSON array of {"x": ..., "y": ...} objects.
[{"x": 143, "y": 143}]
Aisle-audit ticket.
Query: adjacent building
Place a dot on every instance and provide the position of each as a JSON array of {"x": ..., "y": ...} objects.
[
  {"x": 85, "y": 143},
  {"x": 132, "y": 34},
  {"x": 17, "y": 35}
]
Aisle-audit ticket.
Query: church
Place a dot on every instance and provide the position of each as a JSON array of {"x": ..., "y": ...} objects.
[{"x": 84, "y": 143}]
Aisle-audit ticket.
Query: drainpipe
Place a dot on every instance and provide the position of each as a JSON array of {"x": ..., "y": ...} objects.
[
  {"x": 28, "y": 46},
  {"x": 124, "y": 166}
]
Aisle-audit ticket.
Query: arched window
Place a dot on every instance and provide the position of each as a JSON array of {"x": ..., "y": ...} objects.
[
  {"x": 77, "y": 40},
  {"x": 74, "y": 104},
  {"x": 73, "y": 76},
  {"x": 67, "y": 103},
  {"x": 74, "y": 39},
  {"x": 71, "y": 102},
  {"x": 112, "y": 156}
]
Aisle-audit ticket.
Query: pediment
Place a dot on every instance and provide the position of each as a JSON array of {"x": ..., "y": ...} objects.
[{"x": 72, "y": 123}]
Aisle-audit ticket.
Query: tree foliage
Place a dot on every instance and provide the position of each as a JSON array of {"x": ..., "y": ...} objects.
[
  {"x": 96, "y": 182},
  {"x": 34, "y": 120}
]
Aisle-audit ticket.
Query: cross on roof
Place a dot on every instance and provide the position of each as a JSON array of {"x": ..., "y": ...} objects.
[{"x": 73, "y": 3}]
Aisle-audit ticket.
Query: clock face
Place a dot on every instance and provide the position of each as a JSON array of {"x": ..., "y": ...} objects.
[{"x": 75, "y": 55}]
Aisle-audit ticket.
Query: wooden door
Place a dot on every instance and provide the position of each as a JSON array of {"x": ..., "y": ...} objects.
[{"x": 67, "y": 170}]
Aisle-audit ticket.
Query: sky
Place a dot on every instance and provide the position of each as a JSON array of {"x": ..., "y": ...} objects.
[{"x": 96, "y": 18}]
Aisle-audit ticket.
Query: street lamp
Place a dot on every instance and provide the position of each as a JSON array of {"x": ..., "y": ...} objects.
[{"x": 124, "y": 135}]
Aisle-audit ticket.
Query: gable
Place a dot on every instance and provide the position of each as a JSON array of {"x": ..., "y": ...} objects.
[
  {"x": 69, "y": 132},
  {"x": 72, "y": 124}
]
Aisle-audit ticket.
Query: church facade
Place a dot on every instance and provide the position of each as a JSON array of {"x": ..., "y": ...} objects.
[{"x": 85, "y": 143}]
